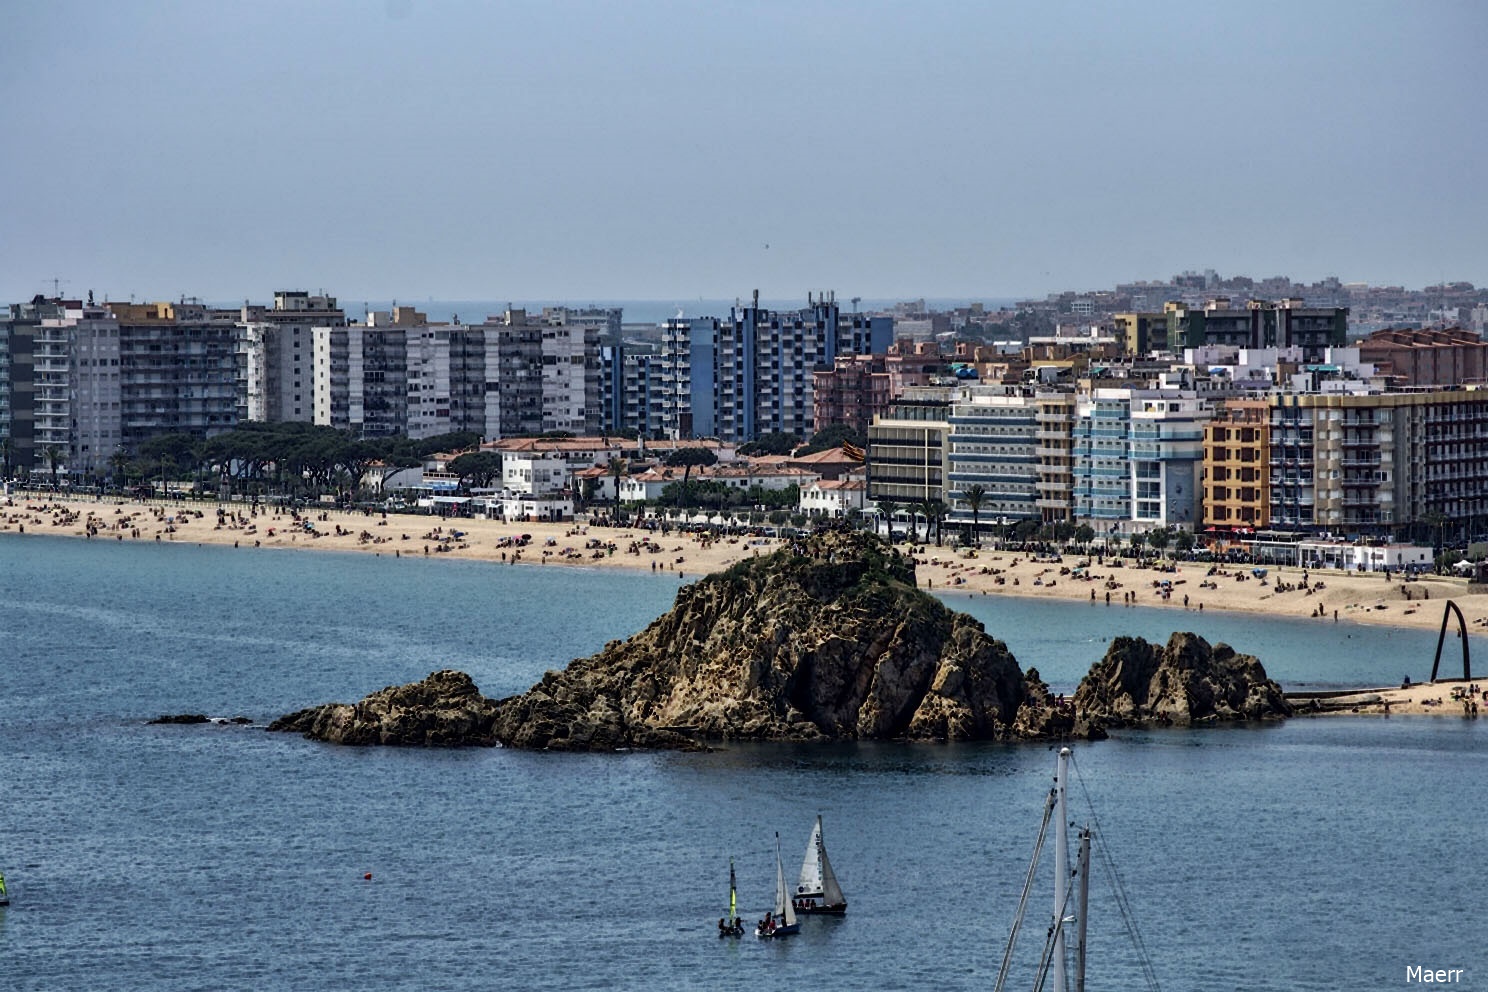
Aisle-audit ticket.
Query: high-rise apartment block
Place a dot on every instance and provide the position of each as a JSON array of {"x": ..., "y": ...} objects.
[
  {"x": 751, "y": 374},
  {"x": 278, "y": 350},
  {"x": 1259, "y": 324}
]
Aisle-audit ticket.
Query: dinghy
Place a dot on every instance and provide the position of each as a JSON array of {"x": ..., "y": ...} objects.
[{"x": 782, "y": 921}]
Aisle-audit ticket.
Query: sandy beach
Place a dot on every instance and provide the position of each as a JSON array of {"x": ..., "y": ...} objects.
[{"x": 1322, "y": 595}]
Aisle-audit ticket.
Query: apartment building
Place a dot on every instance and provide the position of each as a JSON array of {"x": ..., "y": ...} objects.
[
  {"x": 1367, "y": 462},
  {"x": 178, "y": 369},
  {"x": 1137, "y": 458},
  {"x": 277, "y": 352},
  {"x": 570, "y": 371},
  {"x": 1237, "y": 471},
  {"x": 859, "y": 387},
  {"x": 361, "y": 378},
  {"x": 908, "y": 450},
  {"x": 1427, "y": 358},
  {"x": 751, "y": 373},
  {"x": 1259, "y": 324},
  {"x": 993, "y": 443},
  {"x": 19, "y": 326},
  {"x": 1054, "y": 417},
  {"x": 689, "y": 376},
  {"x": 86, "y": 423}
]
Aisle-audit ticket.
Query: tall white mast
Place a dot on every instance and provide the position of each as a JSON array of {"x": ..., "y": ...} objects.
[
  {"x": 1082, "y": 867},
  {"x": 1061, "y": 865}
]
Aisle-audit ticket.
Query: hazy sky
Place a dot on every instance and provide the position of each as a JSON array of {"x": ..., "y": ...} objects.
[{"x": 633, "y": 149}]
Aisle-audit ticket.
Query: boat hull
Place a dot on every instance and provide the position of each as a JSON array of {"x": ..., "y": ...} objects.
[
  {"x": 839, "y": 910},
  {"x": 788, "y": 930}
]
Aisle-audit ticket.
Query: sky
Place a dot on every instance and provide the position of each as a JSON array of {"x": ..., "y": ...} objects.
[{"x": 649, "y": 150}]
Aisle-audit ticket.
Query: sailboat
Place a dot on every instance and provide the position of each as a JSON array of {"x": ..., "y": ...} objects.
[
  {"x": 817, "y": 892},
  {"x": 782, "y": 921},
  {"x": 732, "y": 925},
  {"x": 1071, "y": 899}
]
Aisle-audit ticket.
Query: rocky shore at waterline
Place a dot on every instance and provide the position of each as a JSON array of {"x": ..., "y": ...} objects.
[{"x": 827, "y": 639}]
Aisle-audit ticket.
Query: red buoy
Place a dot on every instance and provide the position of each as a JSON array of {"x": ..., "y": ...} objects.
[{"x": 367, "y": 877}]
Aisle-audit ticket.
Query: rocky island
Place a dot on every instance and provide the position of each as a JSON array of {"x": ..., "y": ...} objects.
[
  {"x": 826, "y": 639},
  {"x": 1185, "y": 683}
]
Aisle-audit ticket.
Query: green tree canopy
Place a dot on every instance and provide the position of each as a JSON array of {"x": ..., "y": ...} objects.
[
  {"x": 476, "y": 469},
  {"x": 773, "y": 443}
]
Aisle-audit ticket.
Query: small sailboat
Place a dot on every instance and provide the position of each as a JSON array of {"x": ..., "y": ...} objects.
[
  {"x": 782, "y": 921},
  {"x": 817, "y": 892},
  {"x": 731, "y": 925}
]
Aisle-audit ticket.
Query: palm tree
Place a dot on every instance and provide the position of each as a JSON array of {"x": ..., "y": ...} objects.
[
  {"x": 117, "y": 462},
  {"x": 974, "y": 495},
  {"x": 53, "y": 457},
  {"x": 937, "y": 512},
  {"x": 686, "y": 458},
  {"x": 617, "y": 467}
]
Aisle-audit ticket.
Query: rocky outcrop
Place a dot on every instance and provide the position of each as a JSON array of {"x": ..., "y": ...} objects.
[
  {"x": 827, "y": 639},
  {"x": 445, "y": 709},
  {"x": 1185, "y": 683}
]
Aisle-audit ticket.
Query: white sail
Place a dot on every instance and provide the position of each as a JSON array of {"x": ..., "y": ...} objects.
[
  {"x": 783, "y": 905},
  {"x": 818, "y": 881},
  {"x": 810, "y": 883},
  {"x": 831, "y": 891}
]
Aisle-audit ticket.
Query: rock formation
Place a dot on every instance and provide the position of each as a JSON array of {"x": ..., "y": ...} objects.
[
  {"x": 826, "y": 639},
  {"x": 445, "y": 709},
  {"x": 1188, "y": 682}
]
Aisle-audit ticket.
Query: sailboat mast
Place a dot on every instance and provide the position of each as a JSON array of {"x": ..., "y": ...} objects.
[
  {"x": 1082, "y": 867},
  {"x": 1061, "y": 865}
]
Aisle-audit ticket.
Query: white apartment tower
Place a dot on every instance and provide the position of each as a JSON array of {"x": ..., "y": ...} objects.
[{"x": 278, "y": 355}]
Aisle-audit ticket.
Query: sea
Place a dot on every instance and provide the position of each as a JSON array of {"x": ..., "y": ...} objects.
[
  {"x": 645, "y": 312},
  {"x": 1316, "y": 853}
]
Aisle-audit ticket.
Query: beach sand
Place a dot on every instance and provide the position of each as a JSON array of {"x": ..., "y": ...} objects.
[
  {"x": 1445, "y": 697},
  {"x": 1322, "y": 595}
]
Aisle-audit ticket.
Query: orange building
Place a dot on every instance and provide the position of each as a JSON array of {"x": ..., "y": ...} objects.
[{"x": 1237, "y": 480}]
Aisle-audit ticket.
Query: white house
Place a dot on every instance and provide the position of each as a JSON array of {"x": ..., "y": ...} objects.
[
  {"x": 650, "y": 484},
  {"x": 549, "y": 464},
  {"x": 534, "y": 472},
  {"x": 1363, "y": 557},
  {"x": 520, "y": 506},
  {"x": 833, "y": 497}
]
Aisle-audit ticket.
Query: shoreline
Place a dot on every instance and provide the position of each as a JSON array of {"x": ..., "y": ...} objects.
[{"x": 1323, "y": 596}]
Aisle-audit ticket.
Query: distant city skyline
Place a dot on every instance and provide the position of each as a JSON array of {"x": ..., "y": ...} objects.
[{"x": 657, "y": 150}]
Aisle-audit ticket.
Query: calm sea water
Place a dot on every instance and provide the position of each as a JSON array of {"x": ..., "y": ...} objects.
[{"x": 1318, "y": 854}]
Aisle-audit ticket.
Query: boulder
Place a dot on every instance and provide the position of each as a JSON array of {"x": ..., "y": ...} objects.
[
  {"x": 444, "y": 710},
  {"x": 1185, "y": 683}
]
